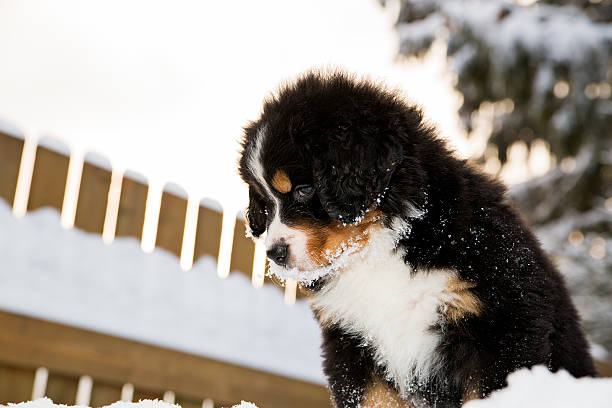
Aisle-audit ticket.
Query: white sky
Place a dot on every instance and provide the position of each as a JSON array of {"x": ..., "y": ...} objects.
[{"x": 164, "y": 87}]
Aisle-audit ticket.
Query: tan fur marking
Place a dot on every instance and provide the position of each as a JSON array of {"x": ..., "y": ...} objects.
[
  {"x": 461, "y": 301},
  {"x": 281, "y": 182},
  {"x": 472, "y": 392},
  {"x": 326, "y": 240},
  {"x": 380, "y": 395}
]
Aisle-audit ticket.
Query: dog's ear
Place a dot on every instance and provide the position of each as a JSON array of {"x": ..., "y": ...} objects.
[
  {"x": 256, "y": 214},
  {"x": 352, "y": 170}
]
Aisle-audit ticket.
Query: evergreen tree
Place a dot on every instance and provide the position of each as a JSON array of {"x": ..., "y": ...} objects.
[{"x": 552, "y": 60}]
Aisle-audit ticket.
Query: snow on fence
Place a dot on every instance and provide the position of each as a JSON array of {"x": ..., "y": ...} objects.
[{"x": 91, "y": 196}]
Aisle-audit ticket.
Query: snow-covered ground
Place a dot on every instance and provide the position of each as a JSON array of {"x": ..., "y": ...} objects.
[
  {"x": 74, "y": 278},
  {"x": 535, "y": 388},
  {"x": 47, "y": 403},
  {"x": 539, "y": 388}
]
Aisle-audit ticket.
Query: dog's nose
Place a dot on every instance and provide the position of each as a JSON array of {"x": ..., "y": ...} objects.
[{"x": 278, "y": 253}]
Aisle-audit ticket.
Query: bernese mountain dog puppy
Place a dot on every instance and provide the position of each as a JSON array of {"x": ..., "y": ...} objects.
[{"x": 428, "y": 287}]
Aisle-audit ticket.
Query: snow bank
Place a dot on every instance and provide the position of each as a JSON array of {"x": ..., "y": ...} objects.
[
  {"x": 539, "y": 388},
  {"x": 72, "y": 277},
  {"x": 48, "y": 403},
  {"x": 535, "y": 388}
]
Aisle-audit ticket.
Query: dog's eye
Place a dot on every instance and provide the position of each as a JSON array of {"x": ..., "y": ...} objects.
[{"x": 303, "y": 192}]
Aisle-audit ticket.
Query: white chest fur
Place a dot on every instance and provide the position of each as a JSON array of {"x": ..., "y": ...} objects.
[{"x": 377, "y": 297}]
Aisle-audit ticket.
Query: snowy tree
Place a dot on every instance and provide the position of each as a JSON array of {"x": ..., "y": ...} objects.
[{"x": 547, "y": 66}]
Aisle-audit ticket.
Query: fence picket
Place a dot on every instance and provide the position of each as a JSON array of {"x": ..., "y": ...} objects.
[
  {"x": 171, "y": 221},
  {"x": 141, "y": 394},
  {"x": 41, "y": 377},
  {"x": 62, "y": 389},
  {"x": 243, "y": 250},
  {"x": 10, "y": 158},
  {"x": 15, "y": 384},
  {"x": 103, "y": 394},
  {"x": 208, "y": 233},
  {"x": 93, "y": 197},
  {"x": 188, "y": 402},
  {"x": 132, "y": 205},
  {"x": 49, "y": 177},
  {"x": 83, "y": 394}
]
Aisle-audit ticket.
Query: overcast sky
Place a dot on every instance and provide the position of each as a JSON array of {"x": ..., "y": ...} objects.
[{"x": 164, "y": 87}]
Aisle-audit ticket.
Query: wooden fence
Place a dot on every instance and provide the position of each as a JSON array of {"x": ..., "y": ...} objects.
[
  {"x": 71, "y": 365},
  {"x": 44, "y": 183},
  {"x": 117, "y": 369}
]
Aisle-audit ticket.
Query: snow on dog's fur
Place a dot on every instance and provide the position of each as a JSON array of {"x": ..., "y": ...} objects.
[{"x": 428, "y": 287}]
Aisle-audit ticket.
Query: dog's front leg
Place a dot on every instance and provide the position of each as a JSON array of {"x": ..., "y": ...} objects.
[{"x": 348, "y": 365}]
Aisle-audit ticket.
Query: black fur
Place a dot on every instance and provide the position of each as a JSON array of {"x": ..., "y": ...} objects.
[{"x": 361, "y": 145}]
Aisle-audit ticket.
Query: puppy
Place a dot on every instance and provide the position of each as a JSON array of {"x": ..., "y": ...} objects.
[{"x": 428, "y": 287}]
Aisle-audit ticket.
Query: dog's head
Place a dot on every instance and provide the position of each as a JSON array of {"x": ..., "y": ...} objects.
[{"x": 319, "y": 163}]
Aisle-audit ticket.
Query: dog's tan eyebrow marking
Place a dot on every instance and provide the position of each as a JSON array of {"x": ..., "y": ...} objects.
[{"x": 281, "y": 182}]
